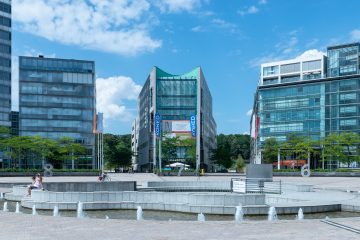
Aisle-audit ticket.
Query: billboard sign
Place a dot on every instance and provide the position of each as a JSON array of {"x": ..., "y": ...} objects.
[
  {"x": 180, "y": 126},
  {"x": 157, "y": 124},
  {"x": 193, "y": 125}
]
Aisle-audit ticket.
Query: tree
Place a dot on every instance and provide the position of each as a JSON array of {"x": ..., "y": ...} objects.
[
  {"x": 221, "y": 155},
  {"x": 18, "y": 147},
  {"x": 190, "y": 144},
  {"x": 239, "y": 164},
  {"x": 342, "y": 147},
  {"x": 70, "y": 150},
  {"x": 168, "y": 148},
  {"x": 117, "y": 150},
  {"x": 271, "y": 148}
]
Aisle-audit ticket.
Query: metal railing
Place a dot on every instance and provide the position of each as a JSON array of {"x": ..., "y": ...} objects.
[{"x": 255, "y": 185}]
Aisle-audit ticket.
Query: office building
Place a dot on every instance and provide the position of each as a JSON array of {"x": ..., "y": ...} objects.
[
  {"x": 5, "y": 62},
  {"x": 175, "y": 106},
  {"x": 310, "y": 96},
  {"x": 57, "y": 99}
]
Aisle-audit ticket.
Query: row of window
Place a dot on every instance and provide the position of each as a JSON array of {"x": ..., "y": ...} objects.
[
  {"x": 292, "y": 68},
  {"x": 56, "y": 123},
  {"x": 56, "y": 64},
  {"x": 4, "y": 21},
  {"x": 5, "y": 7},
  {"x": 5, "y": 35},
  {"x": 5, "y": 62},
  {"x": 85, "y": 138},
  {"x": 78, "y": 78},
  {"x": 83, "y": 114},
  {"x": 57, "y": 89},
  {"x": 86, "y": 102}
]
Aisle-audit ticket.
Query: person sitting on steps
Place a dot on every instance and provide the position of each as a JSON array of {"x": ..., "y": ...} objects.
[{"x": 37, "y": 183}]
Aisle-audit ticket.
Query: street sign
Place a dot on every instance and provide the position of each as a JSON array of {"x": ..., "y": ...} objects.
[
  {"x": 157, "y": 123},
  {"x": 193, "y": 125}
]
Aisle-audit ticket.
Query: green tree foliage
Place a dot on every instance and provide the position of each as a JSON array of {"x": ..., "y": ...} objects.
[
  {"x": 168, "y": 148},
  {"x": 342, "y": 147},
  {"x": 117, "y": 150},
  {"x": 190, "y": 144},
  {"x": 239, "y": 164},
  {"x": 271, "y": 147},
  {"x": 23, "y": 147},
  {"x": 229, "y": 147}
]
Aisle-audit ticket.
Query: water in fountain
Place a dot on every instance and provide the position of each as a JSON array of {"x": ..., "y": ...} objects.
[
  {"x": 5, "y": 209},
  {"x": 139, "y": 213},
  {"x": 239, "y": 214},
  {"x": 107, "y": 217},
  {"x": 272, "y": 214},
  {"x": 1, "y": 195},
  {"x": 17, "y": 209},
  {"x": 201, "y": 217},
  {"x": 56, "y": 211},
  {"x": 300, "y": 215},
  {"x": 34, "y": 210},
  {"x": 80, "y": 211}
]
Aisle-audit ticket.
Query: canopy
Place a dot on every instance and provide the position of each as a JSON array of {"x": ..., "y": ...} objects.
[{"x": 178, "y": 164}]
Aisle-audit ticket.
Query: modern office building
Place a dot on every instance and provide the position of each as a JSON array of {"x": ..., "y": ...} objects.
[
  {"x": 175, "y": 106},
  {"x": 5, "y": 69},
  {"x": 5, "y": 62},
  {"x": 312, "y": 96},
  {"x": 14, "y": 117},
  {"x": 57, "y": 99},
  {"x": 134, "y": 142}
]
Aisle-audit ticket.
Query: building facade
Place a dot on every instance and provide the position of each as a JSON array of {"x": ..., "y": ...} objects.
[
  {"x": 312, "y": 97},
  {"x": 5, "y": 62},
  {"x": 174, "y": 106},
  {"x": 57, "y": 99}
]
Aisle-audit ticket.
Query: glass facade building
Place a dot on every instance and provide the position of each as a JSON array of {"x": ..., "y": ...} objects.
[
  {"x": 57, "y": 99},
  {"x": 5, "y": 63},
  {"x": 313, "y": 107},
  {"x": 176, "y": 98}
]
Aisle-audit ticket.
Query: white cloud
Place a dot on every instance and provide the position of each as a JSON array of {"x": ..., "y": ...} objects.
[
  {"x": 198, "y": 29},
  {"x": 118, "y": 26},
  {"x": 111, "y": 92},
  {"x": 224, "y": 24},
  {"x": 249, "y": 113},
  {"x": 249, "y": 10},
  {"x": 311, "y": 54},
  {"x": 355, "y": 35},
  {"x": 174, "y": 6},
  {"x": 262, "y": 2}
]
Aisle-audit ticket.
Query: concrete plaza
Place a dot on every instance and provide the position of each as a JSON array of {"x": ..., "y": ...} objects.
[
  {"x": 24, "y": 227},
  {"x": 344, "y": 190}
]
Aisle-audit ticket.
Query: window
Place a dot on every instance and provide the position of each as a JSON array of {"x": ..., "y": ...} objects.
[
  {"x": 273, "y": 70},
  {"x": 348, "y": 96},
  {"x": 348, "y": 122},
  {"x": 290, "y": 79},
  {"x": 311, "y": 65},
  {"x": 290, "y": 68}
]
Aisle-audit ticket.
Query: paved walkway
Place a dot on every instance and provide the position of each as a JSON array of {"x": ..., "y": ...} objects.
[{"x": 28, "y": 227}]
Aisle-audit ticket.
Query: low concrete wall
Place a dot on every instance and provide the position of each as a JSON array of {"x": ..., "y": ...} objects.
[
  {"x": 90, "y": 186},
  {"x": 317, "y": 174},
  {"x": 191, "y": 185},
  {"x": 218, "y": 203},
  {"x": 57, "y": 174}
]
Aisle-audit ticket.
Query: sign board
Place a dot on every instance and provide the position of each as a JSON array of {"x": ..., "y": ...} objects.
[
  {"x": 238, "y": 186},
  {"x": 180, "y": 126},
  {"x": 157, "y": 123},
  {"x": 193, "y": 125},
  {"x": 262, "y": 171}
]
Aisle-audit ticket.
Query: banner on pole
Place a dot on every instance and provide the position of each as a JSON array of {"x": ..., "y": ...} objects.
[
  {"x": 157, "y": 123},
  {"x": 193, "y": 125}
]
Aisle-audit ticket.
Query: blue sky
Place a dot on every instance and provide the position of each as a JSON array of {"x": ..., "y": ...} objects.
[{"x": 227, "y": 38}]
